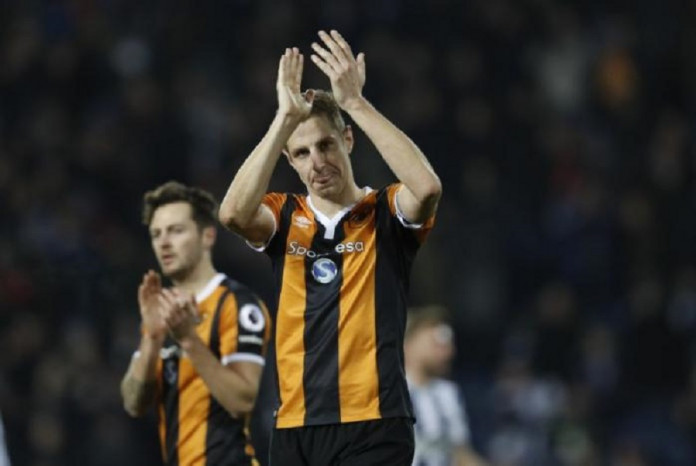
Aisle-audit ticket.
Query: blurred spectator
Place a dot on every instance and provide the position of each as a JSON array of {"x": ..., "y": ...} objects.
[{"x": 442, "y": 429}]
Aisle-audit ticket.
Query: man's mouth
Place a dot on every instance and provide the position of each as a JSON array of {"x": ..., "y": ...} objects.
[{"x": 323, "y": 178}]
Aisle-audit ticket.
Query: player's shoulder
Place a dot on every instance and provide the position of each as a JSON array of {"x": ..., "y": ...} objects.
[
  {"x": 241, "y": 291},
  {"x": 285, "y": 196},
  {"x": 233, "y": 285}
]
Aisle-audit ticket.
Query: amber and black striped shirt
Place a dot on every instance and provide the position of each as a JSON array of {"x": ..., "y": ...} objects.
[
  {"x": 194, "y": 428},
  {"x": 343, "y": 285}
]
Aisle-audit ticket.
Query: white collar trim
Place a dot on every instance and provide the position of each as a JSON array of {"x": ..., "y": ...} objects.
[
  {"x": 331, "y": 223},
  {"x": 210, "y": 287}
]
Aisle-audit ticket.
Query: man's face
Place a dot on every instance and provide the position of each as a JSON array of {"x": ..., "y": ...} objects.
[
  {"x": 319, "y": 153},
  {"x": 434, "y": 347},
  {"x": 176, "y": 239}
]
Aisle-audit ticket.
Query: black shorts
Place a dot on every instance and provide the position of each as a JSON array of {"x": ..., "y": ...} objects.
[{"x": 379, "y": 442}]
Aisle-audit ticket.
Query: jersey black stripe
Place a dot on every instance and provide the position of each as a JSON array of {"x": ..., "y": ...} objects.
[
  {"x": 170, "y": 402},
  {"x": 322, "y": 402},
  {"x": 245, "y": 296},
  {"x": 215, "y": 325},
  {"x": 390, "y": 309}
]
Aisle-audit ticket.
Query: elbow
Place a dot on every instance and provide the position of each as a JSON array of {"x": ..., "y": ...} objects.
[
  {"x": 230, "y": 218},
  {"x": 246, "y": 406},
  {"x": 245, "y": 403},
  {"x": 431, "y": 192},
  {"x": 241, "y": 404},
  {"x": 132, "y": 410}
]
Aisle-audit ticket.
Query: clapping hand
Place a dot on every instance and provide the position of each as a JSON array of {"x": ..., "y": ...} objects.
[
  {"x": 346, "y": 72},
  {"x": 179, "y": 312},
  {"x": 148, "y": 301},
  {"x": 291, "y": 102}
]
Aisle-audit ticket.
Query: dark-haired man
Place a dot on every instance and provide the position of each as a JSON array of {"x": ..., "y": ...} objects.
[{"x": 203, "y": 340}]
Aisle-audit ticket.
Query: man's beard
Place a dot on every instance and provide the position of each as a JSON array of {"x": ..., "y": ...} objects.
[{"x": 178, "y": 274}]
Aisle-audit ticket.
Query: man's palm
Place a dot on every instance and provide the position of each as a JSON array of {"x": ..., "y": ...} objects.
[{"x": 149, "y": 305}]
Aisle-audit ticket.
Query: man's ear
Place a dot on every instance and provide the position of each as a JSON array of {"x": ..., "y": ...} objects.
[
  {"x": 209, "y": 236},
  {"x": 348, "y": 138},
  {"x": 289, "y": 159}
]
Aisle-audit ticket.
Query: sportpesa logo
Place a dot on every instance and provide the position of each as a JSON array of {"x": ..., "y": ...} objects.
[
  {"x": 296, "y": 249},
  {"x": 324, "y": 270}
]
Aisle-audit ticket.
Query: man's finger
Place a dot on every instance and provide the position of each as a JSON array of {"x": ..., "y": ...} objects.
[
  {"x": 338, "y": 53},
  {"x": 328, "y": 71},
  {"x": 168, "y": 297},
  {"x": 164, "y": 307},
  {"x": 361, "y": 66},
  {"x": 326, "y": 57},
  {"x": 342, "y": 42},
  {"x": 299, "y": 71},
  {"x": 295, "y": 69},
  {"x": 281, "y": 66}
]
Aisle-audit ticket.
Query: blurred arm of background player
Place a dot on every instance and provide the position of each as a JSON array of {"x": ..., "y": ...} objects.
[{"x": 139, "y": 386}]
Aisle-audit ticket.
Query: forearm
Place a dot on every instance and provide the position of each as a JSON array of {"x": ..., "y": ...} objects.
[
  {"x": 401, "y": 154},
  {"x": 244, "y": 196},
  {"x": 139, "y": 385},
  {"x": 232, "y": 390}
]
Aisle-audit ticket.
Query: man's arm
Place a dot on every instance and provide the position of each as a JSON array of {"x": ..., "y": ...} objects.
[
  {"x": 421, "y": 192},
  {"x": 234, "y": 385},
  {"x": 139, "y": 385},
  {"x": 422, "y": 188},
  {"x": 241, "y": 209}
]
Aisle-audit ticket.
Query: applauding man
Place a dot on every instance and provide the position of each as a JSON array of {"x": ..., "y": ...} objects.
[
  {"x": 203, "y": 342},
  {"x": 341, "y": 255}
]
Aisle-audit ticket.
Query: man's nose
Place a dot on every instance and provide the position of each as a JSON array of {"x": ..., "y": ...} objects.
[
  {"x": 318, "y": 158},
  {"x": 164, "y": 241}
]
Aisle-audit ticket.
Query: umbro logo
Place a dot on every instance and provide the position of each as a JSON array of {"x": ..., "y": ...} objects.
[{"x": 301, "y": 221}]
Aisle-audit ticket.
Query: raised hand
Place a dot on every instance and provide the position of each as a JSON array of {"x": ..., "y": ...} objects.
[
  {"x": 336, "y": 60},
  {"x": 148, "y": 301},
  {"x": 179, "y": 312},
  {"x": 291, "y": 101}
]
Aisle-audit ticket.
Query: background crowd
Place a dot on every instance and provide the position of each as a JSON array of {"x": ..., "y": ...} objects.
[{"x": 565, "y": 245}]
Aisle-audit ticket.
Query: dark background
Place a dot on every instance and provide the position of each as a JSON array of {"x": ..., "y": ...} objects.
[{"x": 565, "y": 241}]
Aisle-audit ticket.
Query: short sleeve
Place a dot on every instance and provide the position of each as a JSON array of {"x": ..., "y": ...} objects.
[
  {"x": 420, "y": 230},
  {"x": 274, "y": 203},
  {"x": 245, "y": 327}
]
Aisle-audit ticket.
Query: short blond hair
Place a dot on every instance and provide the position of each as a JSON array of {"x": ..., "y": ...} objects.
[{"x": 425, "y": 317}]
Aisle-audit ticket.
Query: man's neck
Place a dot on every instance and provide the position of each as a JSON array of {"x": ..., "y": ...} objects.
[
  {"x": 330, "y": 206},
  {"x": 198, "y": 278}
]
